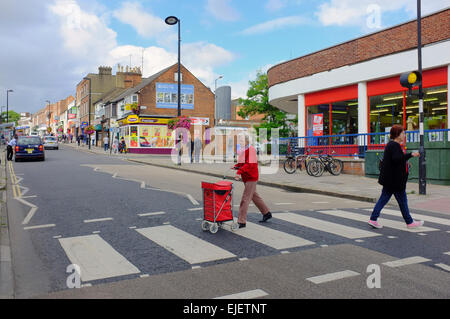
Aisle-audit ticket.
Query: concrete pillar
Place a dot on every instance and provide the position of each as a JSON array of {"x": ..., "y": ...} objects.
[
  {"x": 363, "y": 124},
  {"x": 301, "y": 119}
]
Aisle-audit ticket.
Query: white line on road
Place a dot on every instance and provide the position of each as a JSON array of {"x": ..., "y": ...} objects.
[
  {"x": 151, "y": 214},
  {"x": 192, "y": 199},
  {"x": 332, "y": 276},
  {"x": 142, "y": 184},
  {"x": 443, "y": 266},
  {"x": 406, "y": 261},
  {"x": 280, "y": 204},
  {"x": 320, "y": 202},
  {"x": 96, "y": 258},
  {"x": 447, "y": 253},
  {"x": 251, "y": 294},
  {"x": 30, "y": 213},
  {"x": 333, "y": 228},
  {"x": 98, "y": 220},
  {"x": 186, "y": 246},
  {"x": 385, "y": 222},
  {"x": 39, "y": 226}
]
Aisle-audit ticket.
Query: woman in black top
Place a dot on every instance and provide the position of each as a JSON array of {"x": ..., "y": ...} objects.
[{"x": 393, "y": 177}]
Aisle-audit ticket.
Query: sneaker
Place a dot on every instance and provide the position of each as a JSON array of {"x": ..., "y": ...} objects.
[
  {"x": 242, "y": 225},
  {"x": 415, "y": 224},
  {"x": 266, "y": 217},
  {"x": 375, "y": 224}
]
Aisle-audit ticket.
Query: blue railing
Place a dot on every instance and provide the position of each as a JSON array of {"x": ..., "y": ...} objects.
[{"x": 352, "y": 145}]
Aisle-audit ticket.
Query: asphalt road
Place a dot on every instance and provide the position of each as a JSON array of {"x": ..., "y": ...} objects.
[{"x": 136, "y": 229}]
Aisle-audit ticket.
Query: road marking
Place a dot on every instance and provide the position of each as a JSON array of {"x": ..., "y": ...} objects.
[
  {"x": 144, "y": 276},
  {"x": 285, "y": 252},
  {"x": 406, "y": 261},
  {"x": 30, "y": 213},
  {"x": 186, "y": 246},
  {"x": 243, "y": 259},
  {"x": 96, "y": 258},
  {"x": 251, "y": 294},
  {"x": 386, "y": 222},
  {"x": 151, "y": 214},
  {"x": 280, "y": 204},
  {"x": 333, "y": 228},
  {"x": 30, "y": 196},
  {"x": 196, "y": 267},
  {"x": 97, "y": 220},
  {"x": 132, "y": 227},
  {"x": 443, "y": 266},
  {"x": 96, "y": 232},
  {"x": 192, "y": 199},
  {"x": 320, "y": 202},
  {"x": 332, "y": 276},
  {"x": 270, "y": 237},
  {"x": 142, "y": 184},
  {"x": 192, "y": 209},
  {"x": 114, "y": 175},
  {"x": 431, "y": 219},
  {"x": 447, "y": 253},
  {"x": 56, "y": 237},
  {"x": 39, "y": 226}
]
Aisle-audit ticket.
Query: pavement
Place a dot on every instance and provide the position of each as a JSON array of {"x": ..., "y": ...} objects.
[
  {"x": 346, "y": 186},
  {"x": 6, "y": 277}
]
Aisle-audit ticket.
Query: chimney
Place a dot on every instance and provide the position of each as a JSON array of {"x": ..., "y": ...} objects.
[{"x": 104, "y": 70}]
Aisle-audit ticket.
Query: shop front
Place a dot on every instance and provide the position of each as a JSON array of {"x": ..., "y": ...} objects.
[{"x": 146, "y": 134}]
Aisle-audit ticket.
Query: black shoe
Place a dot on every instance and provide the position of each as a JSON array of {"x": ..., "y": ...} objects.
[
  {"x": 266, "y": 217},
  {"x": 241, "y": 225}
]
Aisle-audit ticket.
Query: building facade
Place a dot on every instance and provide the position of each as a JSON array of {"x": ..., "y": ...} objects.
[{"x": 354, "y": 87}]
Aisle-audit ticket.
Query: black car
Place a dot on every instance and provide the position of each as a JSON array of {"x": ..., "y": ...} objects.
[{"x": 29, "y": 147}]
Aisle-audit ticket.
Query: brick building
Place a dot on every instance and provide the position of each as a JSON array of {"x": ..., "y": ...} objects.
[
  {"x": 353, "y": 87},
  {"x": 157, "y": 97}
]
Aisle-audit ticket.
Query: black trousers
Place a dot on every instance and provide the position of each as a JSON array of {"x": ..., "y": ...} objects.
[{"x": 9, "y": 153}]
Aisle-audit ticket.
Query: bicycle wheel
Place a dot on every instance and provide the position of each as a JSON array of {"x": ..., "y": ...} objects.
[
  {"x": 316, "y": 167},
  {"x": 335, "y": 166},
  {"x": 290, "y": 166}
]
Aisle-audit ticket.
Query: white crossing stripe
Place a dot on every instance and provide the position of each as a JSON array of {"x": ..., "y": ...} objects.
[
  {"x": 98, "y": 220},
  {"x": 443, "y": 266},
  {"x": 151, "y": 214},
  {"x": 257, "y": 293},
  {"x": 279, "y": 204},
  {"x": 39, "y": 226},
  {"x": 271, "y": 237},
  {"x": 333, "y": 228},
  {"x": 332, "y": 277},
  {"x": 186, "y": 246},
  {"x": 197, "y": 208},
  {"x": 431, "y": 219},
  {"x": 406, "y": 261},
  {"x": 96, "y": 258},
  {"x": 386, "y": 222}
]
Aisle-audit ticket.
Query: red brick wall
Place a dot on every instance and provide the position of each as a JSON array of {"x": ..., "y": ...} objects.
[
  {"x": 435, "y": 28},
  {"x": 203, "y": 97}
]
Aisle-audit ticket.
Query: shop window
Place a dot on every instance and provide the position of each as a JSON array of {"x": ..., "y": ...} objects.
[
  {"x": 385, "y": 111},
  {"x": 156, "y": 137},
  {"x": 133, "y": 136}
]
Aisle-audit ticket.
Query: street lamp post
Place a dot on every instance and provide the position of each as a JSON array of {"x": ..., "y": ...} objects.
[
  {"x": 422, "y": 163},
  {"x": 172, "y": 20},
  {"x": 7, "y": 105},
  {"x": 89, "y": 115},
  {"x": 215, "y": 96}
]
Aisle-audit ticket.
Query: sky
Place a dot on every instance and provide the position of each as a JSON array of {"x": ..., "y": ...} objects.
[{"x": 48, "y": 46}]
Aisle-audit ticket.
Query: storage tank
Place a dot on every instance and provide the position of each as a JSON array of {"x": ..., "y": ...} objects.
[{"x": 223, "y": 103}]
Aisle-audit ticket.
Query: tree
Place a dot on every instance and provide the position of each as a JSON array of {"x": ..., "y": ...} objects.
[
  {"x": 257, "y": 102},
  {"x": 12, "y": 117}
]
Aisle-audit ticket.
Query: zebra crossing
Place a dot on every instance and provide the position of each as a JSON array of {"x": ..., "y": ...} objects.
[{"x": 98, "y": 259}]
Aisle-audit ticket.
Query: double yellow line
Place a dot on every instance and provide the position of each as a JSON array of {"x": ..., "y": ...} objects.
[{"x": 16, "y": 189}]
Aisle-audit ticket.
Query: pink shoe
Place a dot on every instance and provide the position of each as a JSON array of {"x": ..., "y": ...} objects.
[
  {"x": 375, "y": 224},
  {"x": 415, "y": 224}
]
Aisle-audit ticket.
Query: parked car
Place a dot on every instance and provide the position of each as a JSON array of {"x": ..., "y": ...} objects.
[
  {"x": 51, "y": 142},
  {"x": 29, "y": 147}
]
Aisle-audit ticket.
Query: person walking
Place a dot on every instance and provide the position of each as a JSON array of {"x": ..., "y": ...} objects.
[
  {"x": 247, "y": 169},
  {"x": 106, "y": 142},
  {"x": 116, "y": 145},
  {"x": 10, "y": 148},
  {"x": 197, "y": 149},
  {"x": 393, "y": 178}
]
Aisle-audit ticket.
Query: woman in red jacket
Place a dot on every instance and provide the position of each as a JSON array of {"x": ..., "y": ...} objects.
[{"x": 247, "y": 169}]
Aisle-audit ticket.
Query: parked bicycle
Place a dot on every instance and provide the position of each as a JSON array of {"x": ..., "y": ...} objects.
[
  {"x": 292, "y": 163},
  {"x": 323, "y": 163}
]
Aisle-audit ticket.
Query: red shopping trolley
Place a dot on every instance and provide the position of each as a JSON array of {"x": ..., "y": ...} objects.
[{"x": 217, "y": 205}]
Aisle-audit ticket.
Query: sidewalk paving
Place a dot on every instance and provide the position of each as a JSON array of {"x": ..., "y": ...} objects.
[{"x": 344, "y": 186}]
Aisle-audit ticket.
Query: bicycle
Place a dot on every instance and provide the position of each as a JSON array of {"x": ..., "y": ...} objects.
[
  {"x": 292, "y": 163},
  {"x": 325, "y": 163}
]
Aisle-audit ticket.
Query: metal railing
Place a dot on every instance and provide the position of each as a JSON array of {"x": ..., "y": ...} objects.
[{"x": 352, "y": 145}]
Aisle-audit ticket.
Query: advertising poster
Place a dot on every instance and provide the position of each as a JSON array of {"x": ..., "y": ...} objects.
[
  {"x": 156, "y": 137},
  {"x": 167, "y": 96},
  {"x": 318, "y": 124}
]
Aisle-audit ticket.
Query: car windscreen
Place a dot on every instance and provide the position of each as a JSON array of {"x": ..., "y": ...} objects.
[{"x": 28, "y": 140}]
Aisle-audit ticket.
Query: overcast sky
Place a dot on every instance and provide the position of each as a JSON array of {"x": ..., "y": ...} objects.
[{"x": 48, "y": 46}]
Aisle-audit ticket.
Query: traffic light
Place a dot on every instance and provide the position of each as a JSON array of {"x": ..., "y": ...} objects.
[{"x": 410, "y": 80}]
